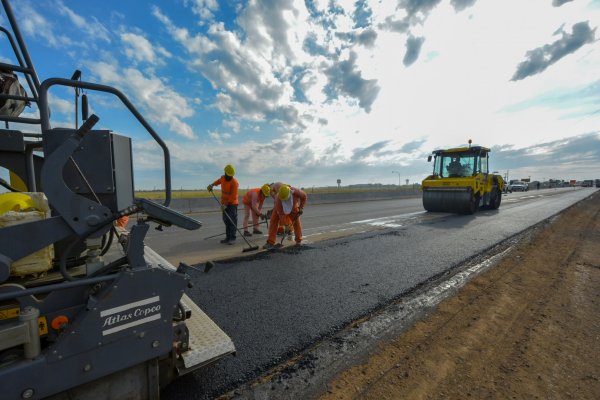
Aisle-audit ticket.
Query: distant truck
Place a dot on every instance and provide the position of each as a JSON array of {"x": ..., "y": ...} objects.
[
  {"x": 598, "y": 183},
  {"x": 588, "y": 183}
]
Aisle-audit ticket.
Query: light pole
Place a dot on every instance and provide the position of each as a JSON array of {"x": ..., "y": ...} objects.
[{"x": 399, "y": 184}]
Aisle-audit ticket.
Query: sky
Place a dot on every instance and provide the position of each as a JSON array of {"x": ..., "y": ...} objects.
[{"x": 311, "y": 91}]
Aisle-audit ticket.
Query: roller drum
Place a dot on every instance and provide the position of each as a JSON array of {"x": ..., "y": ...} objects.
[{"x": 451, "y": 201}]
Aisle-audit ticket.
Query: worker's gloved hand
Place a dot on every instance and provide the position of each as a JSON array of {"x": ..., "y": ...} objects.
[
  {"x": 223, "y": 207},
  {"x": 300, "y": 211},
  {"x": 269, "y": 213},
  {"x": 263, "y": 216},
  {"x": 209, "y": 188}
]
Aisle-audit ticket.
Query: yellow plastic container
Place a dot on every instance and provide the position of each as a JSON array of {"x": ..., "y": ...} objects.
[{"x": 20, "y": 208}]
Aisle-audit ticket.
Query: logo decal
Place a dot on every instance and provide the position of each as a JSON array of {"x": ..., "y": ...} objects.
[{"x": 129, "y": 315}]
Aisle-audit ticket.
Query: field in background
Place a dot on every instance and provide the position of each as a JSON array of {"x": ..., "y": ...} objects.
[{"x": 192, "y": 194}]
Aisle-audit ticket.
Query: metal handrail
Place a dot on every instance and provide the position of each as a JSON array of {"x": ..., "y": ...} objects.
[
  {"x": 34, "y": 89},
  {"x": 22, "y": 46},
  {"x": 15, "y": 294},
  {"x": 45, "y": 118},
  {"x": 15, "y": 97}
]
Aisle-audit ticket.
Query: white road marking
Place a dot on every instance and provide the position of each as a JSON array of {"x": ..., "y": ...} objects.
[{"x": 390, "y": 222}]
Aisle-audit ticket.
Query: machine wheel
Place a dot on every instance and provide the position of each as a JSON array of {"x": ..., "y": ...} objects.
[
  {"x": 473, "y": 205},
  {"x": 496, "y": 199}
]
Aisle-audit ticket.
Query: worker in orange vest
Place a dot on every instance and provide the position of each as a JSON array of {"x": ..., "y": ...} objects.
[
  {"x": 285, "y": 222},
  {"x": 229, "y": 202},
  {"x": 253, "y": 201},
  {"x": 290, "y": 202}
]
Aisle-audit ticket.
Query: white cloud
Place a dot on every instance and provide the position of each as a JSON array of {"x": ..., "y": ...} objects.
[
  {"x": 35, "y": 25},
  {"x": 91, "y": 27},
  {"x": 234, "y": 125},
  {"x": 139, "y": 49},
  {"x": 205, "y": 9},
  {"x": 162, "y": 103},
  {"x": 61, "y": 105},
  {"x": 254, "y": 70}
]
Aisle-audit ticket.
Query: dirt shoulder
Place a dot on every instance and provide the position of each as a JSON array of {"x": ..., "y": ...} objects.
[{"x": 528, "y": 328}]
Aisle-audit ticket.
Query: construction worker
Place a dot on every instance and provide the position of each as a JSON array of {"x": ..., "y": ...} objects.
[
  {"x": 253, "y": 201},
  {"x": 290, "y": 202},
  {"x": 229, "y": 202},
  {"x": 284, "y": 221},
  {"x": 455, "y": 168},
  {"x": 275, "y": 189}
]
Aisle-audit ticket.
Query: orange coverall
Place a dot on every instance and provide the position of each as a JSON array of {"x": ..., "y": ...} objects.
[
  {"x": 253, "y": 201},
  {"x": 284, "y": 220},
  {"x": 298, "y": 201}
]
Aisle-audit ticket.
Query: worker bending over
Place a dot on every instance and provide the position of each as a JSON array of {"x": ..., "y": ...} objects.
[
  {"x": 289, "y": 202},
  {"x": 229, "y": 202},
  {"x": 284, "y": 220},
  {"x": 253, "y": 201}
]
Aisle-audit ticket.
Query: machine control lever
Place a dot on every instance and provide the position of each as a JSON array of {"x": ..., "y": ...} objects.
[{"x": 87, "y": 125}]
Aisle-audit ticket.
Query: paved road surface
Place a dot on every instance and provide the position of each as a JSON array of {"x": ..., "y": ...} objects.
[{"x": 278, "y": 303}]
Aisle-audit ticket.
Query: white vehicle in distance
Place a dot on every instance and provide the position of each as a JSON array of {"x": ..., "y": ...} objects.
[{"x": 518, "y": 186}]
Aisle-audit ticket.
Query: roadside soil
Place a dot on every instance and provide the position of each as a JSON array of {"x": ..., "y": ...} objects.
[{"x": 528, "y": 328}]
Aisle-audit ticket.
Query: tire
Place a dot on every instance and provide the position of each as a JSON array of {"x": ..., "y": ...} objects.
[
  {"x": 473, "y": 205},
  {"x": 496, "y": 199}
]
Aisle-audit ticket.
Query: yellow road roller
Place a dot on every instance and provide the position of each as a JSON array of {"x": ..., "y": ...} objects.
[{"x": 461, "y": 182}]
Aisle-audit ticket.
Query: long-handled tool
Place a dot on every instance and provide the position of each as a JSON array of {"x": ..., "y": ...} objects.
[
  {"x": 250, "y": 247},
  {"x": 222, "y": 233}
]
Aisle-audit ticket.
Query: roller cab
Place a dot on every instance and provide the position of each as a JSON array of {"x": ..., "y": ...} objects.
[{"x": 461, "y": 182}]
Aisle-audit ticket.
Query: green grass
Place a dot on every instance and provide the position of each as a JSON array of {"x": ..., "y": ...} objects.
[{"x": 193, "y": 194}]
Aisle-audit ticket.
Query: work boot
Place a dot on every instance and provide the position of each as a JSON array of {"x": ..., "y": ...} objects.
[
  {"x": 268, "y": 246},
  {"x": 257, "y": 232},
  {"x": 225, "y": 241},
  {"x": 246, "y": 233},
  {"x": 298, "y": 243}
]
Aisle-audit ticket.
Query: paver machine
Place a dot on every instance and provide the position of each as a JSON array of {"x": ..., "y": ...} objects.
[
  {"x": 461, "y": 182},
  {"x": 86, "y": 311}
]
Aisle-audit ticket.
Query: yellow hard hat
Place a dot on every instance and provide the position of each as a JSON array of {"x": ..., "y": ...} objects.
[
  {"x": 229, "y": 170},
  {"x": 284, "y": 192},
  {"x": 265, "y": 189},
  {"x": 16, "y": 202}
]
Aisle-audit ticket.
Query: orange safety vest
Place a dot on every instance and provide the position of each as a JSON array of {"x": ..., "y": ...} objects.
[
  {"x": 256, "y": 195},
  {"x": 229, "y": 190},
  {"x": 299, "y": 200}
]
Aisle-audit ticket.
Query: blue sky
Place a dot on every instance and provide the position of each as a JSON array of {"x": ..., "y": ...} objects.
[{"x": 310, "y": 91}]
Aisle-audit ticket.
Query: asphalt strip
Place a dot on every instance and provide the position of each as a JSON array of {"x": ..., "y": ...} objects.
[{"x": 307, "y": 374}]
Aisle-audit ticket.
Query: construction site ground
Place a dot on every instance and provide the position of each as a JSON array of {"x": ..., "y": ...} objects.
[{"x": 528, "y": 328}]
